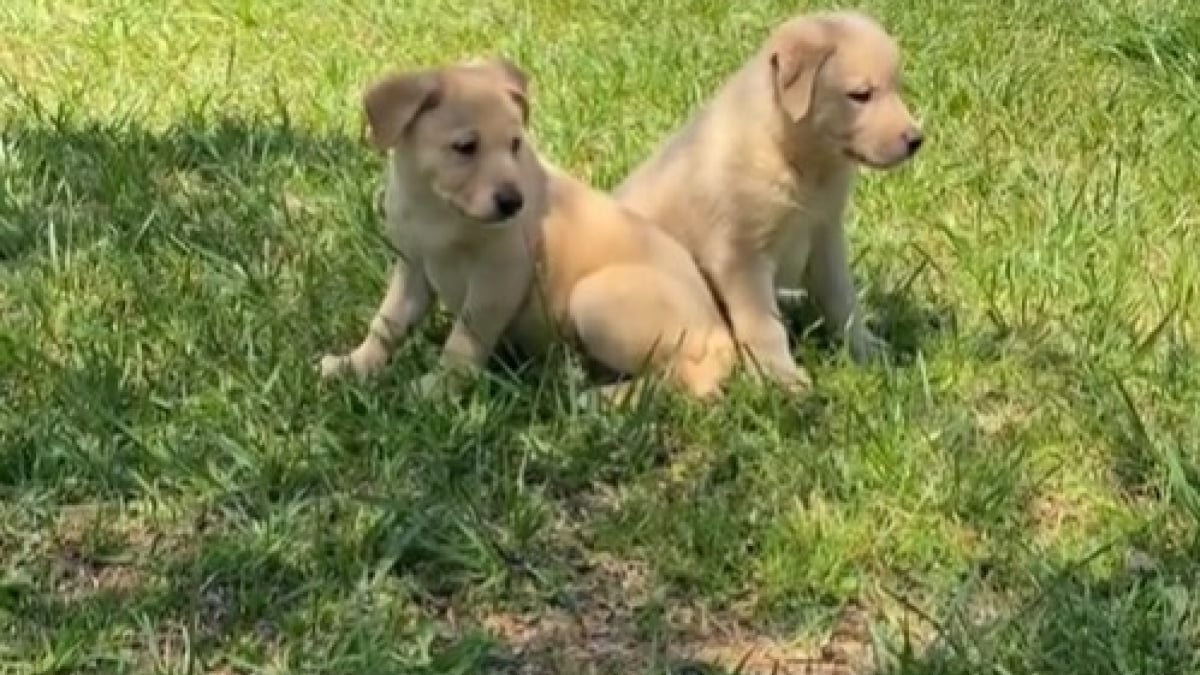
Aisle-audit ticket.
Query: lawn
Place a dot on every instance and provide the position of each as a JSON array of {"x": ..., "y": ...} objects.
[{"x": 186, "y": 225}]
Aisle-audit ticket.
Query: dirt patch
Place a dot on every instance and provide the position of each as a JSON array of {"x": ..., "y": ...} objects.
[
  {"x": 77, "y": 574},
  {"x": 998, "y": 414},
  {"x": 604, "y": 641},
  {"x": 615, "y": 621},
  {"x": 1057, "y": 514},
  {"x": 96, "y": 548},
  {"x": 846, "y": 651}
]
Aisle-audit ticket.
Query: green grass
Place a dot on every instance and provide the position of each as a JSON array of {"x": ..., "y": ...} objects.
[{"x": 186, "y": 225}]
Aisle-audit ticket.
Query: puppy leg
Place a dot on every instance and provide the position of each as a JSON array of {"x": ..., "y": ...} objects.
[
  {"x": 633, "y": 317},
  {"x": 831, "y": 283},
  {"x": 494, "y": 297},
  {"x": 748, "y": 289},
  {"x": 406, "y": 302}
]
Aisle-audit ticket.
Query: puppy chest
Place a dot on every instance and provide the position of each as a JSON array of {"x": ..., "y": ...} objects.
[
  {"x": 449, "y": 281},
  {"x": 535, "y": 327},
  {"x": 796, "y": 235}
]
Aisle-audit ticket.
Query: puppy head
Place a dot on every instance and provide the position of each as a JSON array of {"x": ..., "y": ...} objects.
[
  {"x": 838, "y": 75},
  {"x": 462, "y": 130}
]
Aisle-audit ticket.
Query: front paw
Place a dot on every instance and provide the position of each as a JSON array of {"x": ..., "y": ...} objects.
[
  {"x": 430, "y": 384},
  {"x": 783, "y": 372},
  {"x": 866, "y": 347},
  {"x": 796, "y": 381},
  {"x": 616, "y": 394},
  {"x": 333, "y": 366},
  {"x": 362, "y": 362},
  {"x": 446, "y": 383}
]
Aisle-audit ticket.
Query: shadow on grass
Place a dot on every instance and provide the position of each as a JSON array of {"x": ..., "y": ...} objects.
[
  {"x": 1141, "y": 618},
  {"x": 151, "y": 269},
  {"x": 226, "y": 599},
  {"x": 216, "y": 602},
  {"x": 359, "y": 560},
  {"x": 899, "y": 318},
  {"x": 207, "y": 182}
]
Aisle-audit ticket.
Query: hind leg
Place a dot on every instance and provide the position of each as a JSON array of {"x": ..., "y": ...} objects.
[{"x": 635, "y": 319}]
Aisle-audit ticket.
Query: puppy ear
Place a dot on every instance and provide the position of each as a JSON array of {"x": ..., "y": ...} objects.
[
  {"x": 517, "y": 81},
  {"x": 797, "y": 55},
  {"x": 394, "y": 102}
]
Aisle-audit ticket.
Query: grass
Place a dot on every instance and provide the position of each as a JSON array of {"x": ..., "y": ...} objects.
[{"x": 186, "y": 225}]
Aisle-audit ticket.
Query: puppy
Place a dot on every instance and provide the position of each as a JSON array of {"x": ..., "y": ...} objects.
[
  {"x": 756, "y": 183},
  {"x": 517, "y": 249}
]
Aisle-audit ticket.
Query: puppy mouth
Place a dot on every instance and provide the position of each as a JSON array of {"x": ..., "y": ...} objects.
[
  {"x": 855, "y": 156},
  {"x": 486, "y": 221},
  {"x": 489, "y": 221},
  {"x": 859, "y": 158},
  {"x": 498, "y": 221}
]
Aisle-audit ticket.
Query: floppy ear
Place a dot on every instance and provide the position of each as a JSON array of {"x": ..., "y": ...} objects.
[
  {"x": 796, "y": 60},
  {"x": 517, "y": 81},
  {"x": 394, "y": 102}
]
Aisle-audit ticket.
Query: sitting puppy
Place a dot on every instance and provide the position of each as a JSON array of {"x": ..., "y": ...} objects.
[
  {"x": 517, "y": 249},
  {"x": 755, "y": 185}
]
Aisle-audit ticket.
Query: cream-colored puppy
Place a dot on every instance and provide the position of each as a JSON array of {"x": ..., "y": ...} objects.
[
  {"x": 756, "y": 183},
  {"x": 516, "y": 248}
]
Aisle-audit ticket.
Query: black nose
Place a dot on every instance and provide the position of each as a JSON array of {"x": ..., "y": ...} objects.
[
  {"x": 508, "y": 201},
  {"x": 914, "y": 141}
]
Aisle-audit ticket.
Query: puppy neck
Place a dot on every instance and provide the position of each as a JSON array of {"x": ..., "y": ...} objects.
[
  {"x": 411, "y": 196},
  {"x": 811, "y": 155}
]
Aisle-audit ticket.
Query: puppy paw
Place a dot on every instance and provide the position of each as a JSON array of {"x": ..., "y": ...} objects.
[
  {"x": 786, "y": 374},
  {"x": 588, "y": 399},
  {"x": 866, "y": 347},
  {"x": 431, "y": 384},
  {"x": 361, "y": 362},
  {"x": 445, "y": 383},
  {"x": 798, "y": 381},
  {"x": 616, "y": 394},
  {"x": 333, "y": 366},
  {"x": 789, "y": 374}
]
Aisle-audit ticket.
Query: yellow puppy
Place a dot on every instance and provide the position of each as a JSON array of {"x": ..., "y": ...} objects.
[
  {"x": 517, "y": 249},
  {"x": 756, "y": 183}
]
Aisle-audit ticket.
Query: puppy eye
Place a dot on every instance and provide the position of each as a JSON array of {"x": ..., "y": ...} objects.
[
  {"x": 465, "y": 148},
  {"x": 516, "y": 145},
  {"x": 860, "y": 95}
]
